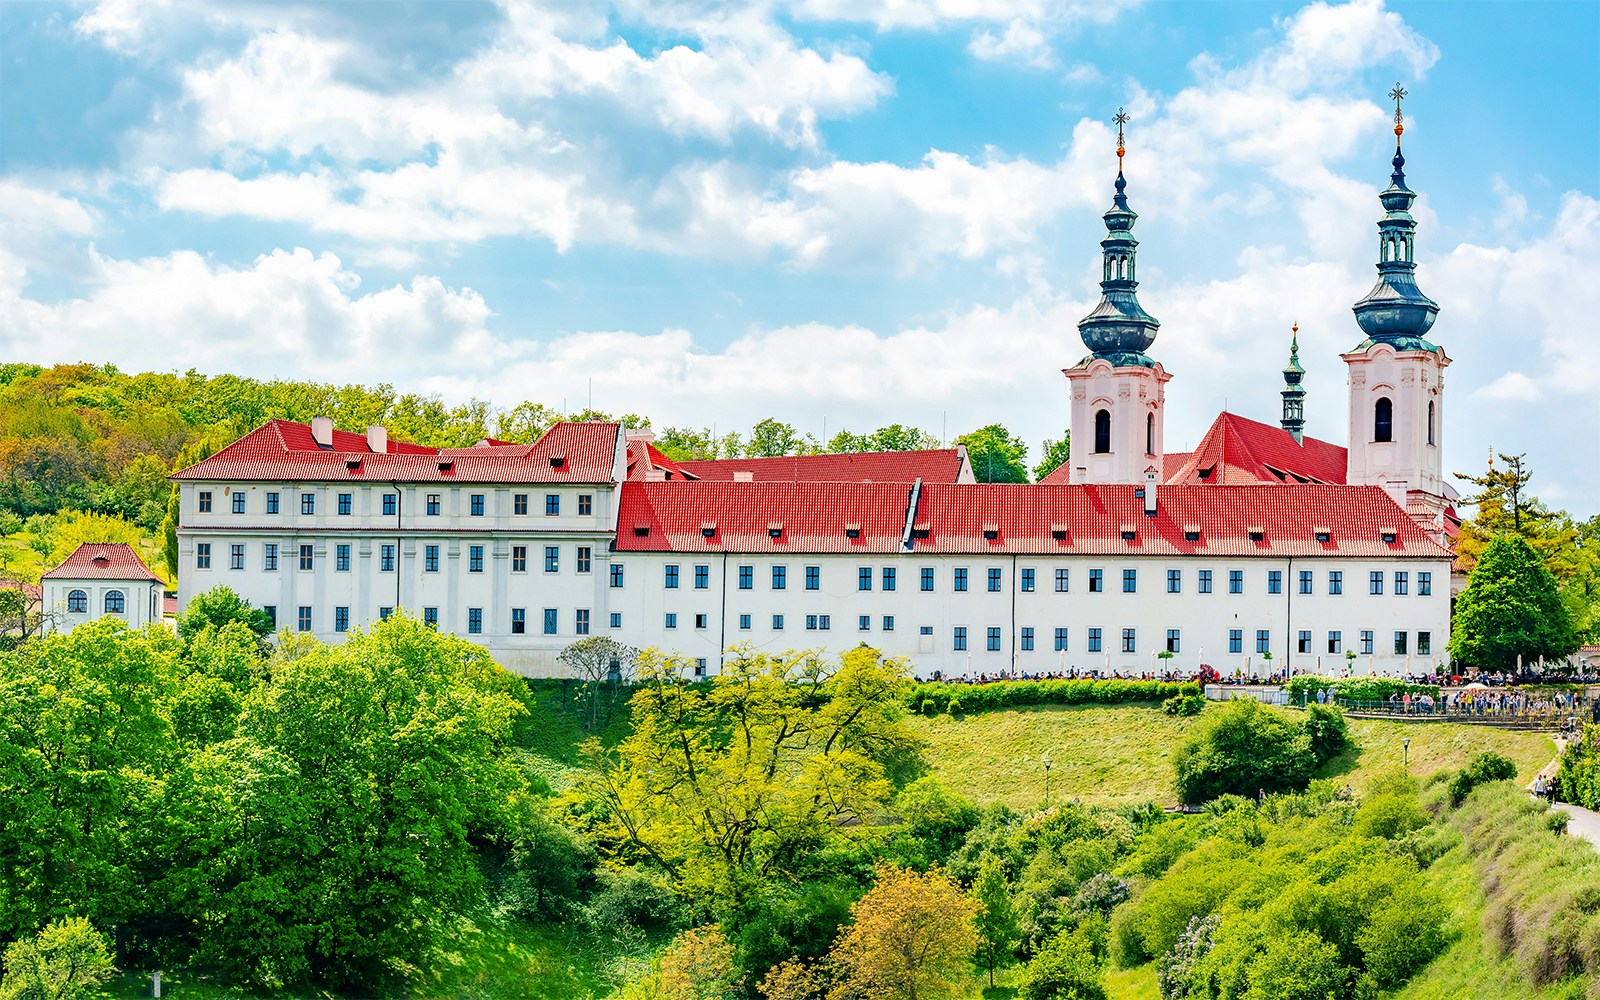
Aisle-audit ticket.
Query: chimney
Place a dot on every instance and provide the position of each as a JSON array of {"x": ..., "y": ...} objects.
[
  {"x": 322, "y": 431},
  {"x": 743, "y": 476},
  {"x": 644, "y": 434},
  {"x": 377, "y": 439},
  {"x": 1150, "y": 492}
]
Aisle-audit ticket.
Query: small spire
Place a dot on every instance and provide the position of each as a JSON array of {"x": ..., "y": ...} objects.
[
  {"x": 1399, "y": 120},
  {"x": 1294, "y": 394}
]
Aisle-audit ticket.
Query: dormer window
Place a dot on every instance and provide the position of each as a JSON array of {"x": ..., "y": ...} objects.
[
  {"x": 852, "y": 531},
  {"x": 1129, "y": 536},
  {"x": 558, "y": 461},
  {"x": 1323, "y": 536},
  {"x": 1256, "y": 536},
  {"x": 774, "y": 530},
  {"x": 991, "y": 532},
  {"x": 1058, "y": 532},
  {"x": 352, "y": 464},
  {"x": 1387, "y": 536},
  {"x": 919, "y": 531},
  {"x": 708, "y": 529},
  {"x": 1191, "y": 536},
  {"x": 641, "y": 531},
  {"x": 445, "y": 465}
]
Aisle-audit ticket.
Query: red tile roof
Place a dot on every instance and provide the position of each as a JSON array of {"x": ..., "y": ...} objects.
[
  {"x": 1024, "y": 519},
  {"x": 1238, "y": 451},
  {"x": 285, "y": 450},
  {"x": 934, "y": 465},
  {"x": 645, "y": 458},
  {"x": 1061, "y": 475},
  {"x": 103, "y": 561}
]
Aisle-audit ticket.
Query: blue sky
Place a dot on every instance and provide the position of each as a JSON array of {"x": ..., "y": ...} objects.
[{"x": 845, "y": 211}]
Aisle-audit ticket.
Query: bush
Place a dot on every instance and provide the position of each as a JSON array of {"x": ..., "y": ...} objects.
[
  {"x": 1063, "y": 970},
  {"x": 1325, "y": 726},
  {"x": 1184, "y": 704},
  {"x": 1485, "y": 767},
  {"x": 1178, "y": 964},
  {"x": 66, "y": 960},
  {"x": 1244, "y": 748},
  {"x": 936, "y": 697}
]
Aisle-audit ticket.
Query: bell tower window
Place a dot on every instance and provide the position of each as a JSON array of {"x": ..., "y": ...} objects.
[
  {"x": 1430, "y": 421},
  {"x": 1150, "y": 434},
  {"x": 1102, "y": 432},
  {"x": 1383, "y": 420}
]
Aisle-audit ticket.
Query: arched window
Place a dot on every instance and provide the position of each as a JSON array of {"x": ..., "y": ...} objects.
[
  {"x": 1150, "y": 434},
  {"x": 1102, "y": 432},
  {"x": 77, "y": 602},
  {"x": 1383, "y": 420},
  {"x": 114, "y": 602},
  {"x": 1430, "y": 421}
]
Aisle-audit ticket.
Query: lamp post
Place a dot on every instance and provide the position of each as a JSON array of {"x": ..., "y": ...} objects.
[
  {"x": 1405, "y": 752},
  {"x": 1047, "y": 782}
]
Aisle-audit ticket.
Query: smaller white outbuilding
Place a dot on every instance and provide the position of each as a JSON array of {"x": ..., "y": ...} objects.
[{"x": 97, "y": 580}]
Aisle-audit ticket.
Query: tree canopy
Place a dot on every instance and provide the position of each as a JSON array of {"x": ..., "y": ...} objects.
[
  {"x": 1510, "y": 609},
  {"x": 996, "y": 455}
]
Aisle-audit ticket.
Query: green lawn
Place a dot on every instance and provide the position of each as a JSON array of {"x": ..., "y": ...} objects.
[{"x": 1106, "y": 755}]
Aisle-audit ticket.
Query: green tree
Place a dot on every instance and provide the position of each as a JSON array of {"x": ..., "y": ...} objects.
[
  {"x": 67, "y": 960},
  {"x": 1243, "y": 748},
  {"x": 771, "y": 438},
  {"x": 601, "y": 664},
  {"x": 894, "y": 437},
  {"x": 996, "y": 917},
  {"x": 1506, "y": 506},
  {"x": 1063, "y": 970},
  {"x": 1510, "y": 609},
  {"x": 216, "y": 608},
  {"x": 169, "y": 534},
  {"x": 996, "y": 455},
  {"x": 911, "y": 938},
  {"x": 1056, "y": 454}
]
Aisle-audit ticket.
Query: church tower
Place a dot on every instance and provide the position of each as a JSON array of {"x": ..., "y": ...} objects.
[
  {"x": 1396, "y": 377},
  {"x": 1117, "y": 391},
  {"x": 1294, "y": 395}
]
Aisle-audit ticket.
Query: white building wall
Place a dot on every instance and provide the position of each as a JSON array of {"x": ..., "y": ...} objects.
[
  {"x": 141, "y": 602},
  {"x": 1132, "y": 396},
  {"x": 1411, "y": 380}
]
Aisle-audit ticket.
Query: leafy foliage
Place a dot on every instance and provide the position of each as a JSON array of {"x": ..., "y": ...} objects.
[
  {"x": 1243, "y": 748},
  {"x": 935, "y": 697},
  {"x": 996, "y": 455},
  {"x": 911, "y": 938},
  {"x": 1184, "y": 704},
  {"x": 216, "y": 608},
  {"x": 1056, "y": 454},
  {"x": 67, "y": 960},
  {"x": 1510, "y": 610},
  {"x": 1485, "y": 767},
  {"x": 996, "y": 917}
]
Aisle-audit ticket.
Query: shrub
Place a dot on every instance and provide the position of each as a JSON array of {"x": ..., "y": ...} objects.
[
  {"x": 1324, "y": 725},
  {"x": 1484, "y": 768},
  {"x": 1063, "y": 970},
  {"x": 1184, "y": 704},
  {"x": 1402, "y": 937},
  {"x": 1243, "y": 748},
  {"x": 935, "y": 697},
  {"x": 66, "y": 960},
  {"x": 1178, "y": 964}
]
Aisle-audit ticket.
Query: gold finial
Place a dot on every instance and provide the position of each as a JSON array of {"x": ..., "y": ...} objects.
[
  {"x": 1121, "y": 119},
  {"x": 1399, "y": 120}
]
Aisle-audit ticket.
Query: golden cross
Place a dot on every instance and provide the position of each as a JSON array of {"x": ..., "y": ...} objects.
[
  {"x": 1399, "y": 121},
  {"x": 1121, "y": 119}
]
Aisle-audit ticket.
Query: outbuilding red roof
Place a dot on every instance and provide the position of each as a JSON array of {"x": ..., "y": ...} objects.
[
  {"x": 646, "y": 461},
  {"x": 285, "y": 450},
  {"x": 103, "y": 561},
  {"x": 1239, "y": 451},
  {"x": 768, "y": 517},
  {"x": 934, "y": 465}
]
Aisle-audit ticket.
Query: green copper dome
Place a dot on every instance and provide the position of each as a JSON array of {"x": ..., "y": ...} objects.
[
  {"x": 1396, "y": 312},
  {"x": 1119, "y": 330}
]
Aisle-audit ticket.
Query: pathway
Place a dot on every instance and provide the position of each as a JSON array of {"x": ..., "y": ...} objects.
[{"x": 1581, "y": 822}]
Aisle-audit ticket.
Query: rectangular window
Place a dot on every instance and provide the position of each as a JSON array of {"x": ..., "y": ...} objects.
[
  {"x": 475, "y": 505},
  {"x": 386, "y": 558},
  {"x": 205, "y": 501},
  {"x": 747, "y": 578},
  {"x": 1263, "y": 641},
  {"x": 1305, "y": 581},
  {"x": 1061, "y": 640},
  {"x": 1335, "y": 642},
  {"x": 1204, "y": 584},
  {"x": 1424, "y": 584},
  {"x": 551, "y": 621},
  {"x": 1097, "y": 581},
  {"x": 552, "y": 558},
  {"x": 927, "y": 579},
  {"x": 780, "y": 577},
  {"x": 1375, "y": 582},
  {"x": 238, "y": 501},
  {"x": 391, "y": 504},
  {"x": 430, "y": 616},
  {"x": 701, "y": 621},
  {"x": 811, "y": 623},
  {"x": 475, "y": 621},
  {"x": 519, "y": 621},
  {"x": 519, "y": 503},
  {"x": 308, "y": 503},
  {"x": 475, "y": 559},
  {"x": 1304, "y": 643},
  {"x": 1335, "y": 581},
  {"x": 269, "y": 557},
  {"x": 1128, "y": 640},
  {"x": 702, "y": 577},
  {"x": 236, "y": 556},
  {"x": 671, "y": 620},
  {"x": 826, "y": 622},
  {"x": 616, "y": 576},
  {"x": 1402, "y": 584},
  {"x": 519, "y": 558},
  {"x": 430, "y": 558},
  {"x": 1400, "y": 644},
  {"x": 777, "y": 623},
  {"x": 994, "y": 639},
  {"x": 271, "y": 611},
  {"x": 1026, "y": 639},
  {"x": 959, "y": 638},
  {"x": 1062, "y": 577},
  {"x": 813, "y": 578},
  {"x": 272, "y": 503},
  {"x": 700, "y": 666},
  {"x": 1174, "y": 581},
  {"x": 960, "y": 584},
  {"x": 744, "y": 623},
  {"x": 1366, "y": 642},
  {"x": 864, "y": 623},
  {"x": 552, "y": 504},
  {"x": 1173, "y": 638},
  {"x": 888, "y": 578},
  {"x": 346, "y": 505},
  {"x": 202, "y": 555},
  {"x": 302, "y": 618},
  {"x": 432, "y": 505},
  {"x": 1130, "y": 581},
  {"x": 341, "y": 558},
  {"x": 1235, "y": 640},
  {"x": 1274, "y": 581},
  {"x": 994, "y": 580},
  {"x": 1235, "y": 581},
  {"x": 670, "y": 580},
  {"x": 384, "y": 613},
  {"x": 864, "y": 578},
  {"x": 585, "y": 559},
  {"x": 888, "y": 623},
  {"x": 616, "y": 619},
  {"x": 1424, "y": 643},
  {"x": 1027, "y": 581},
  {"x": 305, "y": 557},
  {"x": 585, "y": 504},
  {"x": 1095, "y": 641},
  {"x": 580, "y": 621}
]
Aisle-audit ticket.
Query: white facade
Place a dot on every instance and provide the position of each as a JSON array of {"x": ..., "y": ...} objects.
[
  {"x": 1401, "y": 450},
  {"x": 1117, "y": 422},
  {"x": 70, "y": 602}
]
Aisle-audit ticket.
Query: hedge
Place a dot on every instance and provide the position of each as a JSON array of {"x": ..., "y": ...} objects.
[
  {"x": 935, "y": 698},
  {"x": 1354, "y": 688}
]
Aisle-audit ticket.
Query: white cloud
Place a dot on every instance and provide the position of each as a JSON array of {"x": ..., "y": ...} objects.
[
  {"x": 1512, "y": 387},
  {"x": 1020, "y": 42}
]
